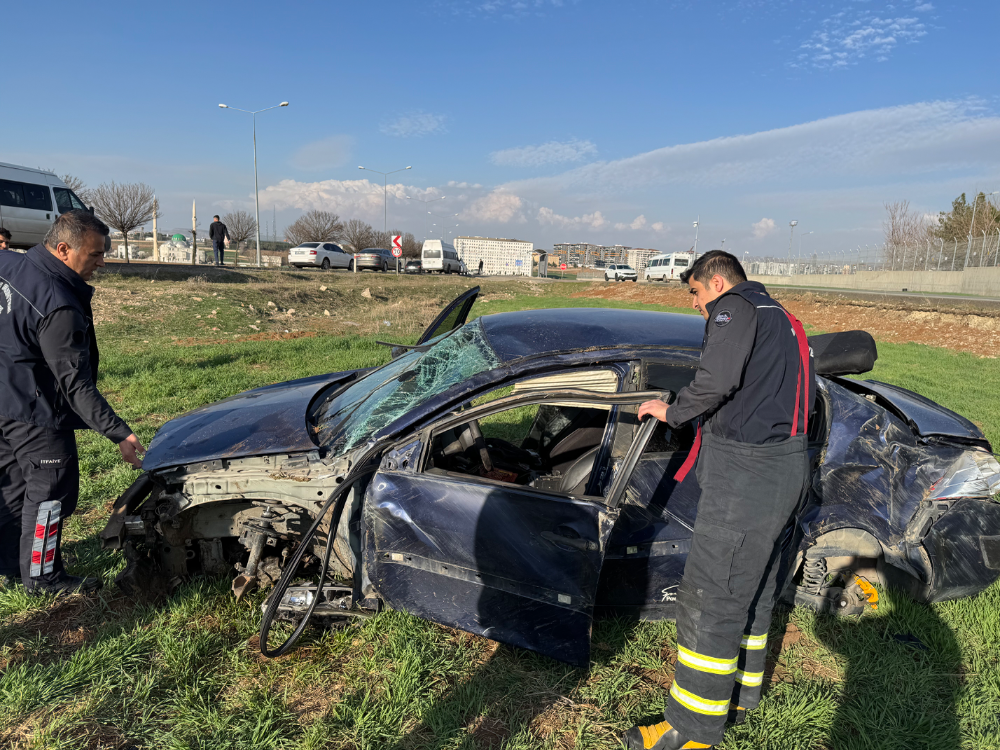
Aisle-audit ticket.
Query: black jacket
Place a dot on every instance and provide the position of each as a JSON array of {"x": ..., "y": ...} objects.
[
  {"x": 48, "y": 350},
  {"x": 748, "y": 377},
  {"x": 217, "y": 232}
]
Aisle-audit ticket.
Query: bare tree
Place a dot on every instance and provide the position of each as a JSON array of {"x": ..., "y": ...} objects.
[
  {"x": 902, "y": 229},
  {"x": 411, "y": 248},
  {"x": 315, "y": 226},
  {"x": 241, "y": 225},
  {"x": 359, "y": 233},
  {"x": 381, "y": 239},
  {"x": 125, "y": 206},
  {"x": 78, "y": 186}
]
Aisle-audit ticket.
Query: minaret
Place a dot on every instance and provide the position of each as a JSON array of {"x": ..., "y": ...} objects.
[
  {"x": 194, "y": 233},
  {"x": 156, "y": 246}
]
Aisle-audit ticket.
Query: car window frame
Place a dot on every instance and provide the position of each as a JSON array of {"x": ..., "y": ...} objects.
[{"x": 427, "y": 434}]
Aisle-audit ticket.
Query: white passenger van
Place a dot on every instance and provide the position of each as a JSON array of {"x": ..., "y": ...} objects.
[
  {"x": 440, "y": 256},
  {"x": 30, "y": 201},
  {"x": 669, "y": 266}
]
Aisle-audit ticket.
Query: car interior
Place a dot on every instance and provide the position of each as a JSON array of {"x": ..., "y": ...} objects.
[{"x": 551, "y": 447}]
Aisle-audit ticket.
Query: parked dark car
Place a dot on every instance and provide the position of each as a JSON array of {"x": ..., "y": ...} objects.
[
  {"x": 493, "y": 478},
  {"x": 375, "y": 259},
  {"x": 414, "y": 266}
]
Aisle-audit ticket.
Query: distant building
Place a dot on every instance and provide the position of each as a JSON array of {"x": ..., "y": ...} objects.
[
  {"x": 500, "y": 257},
  {"x": 638, "y": 257},
  {"x": 584, "y": 254}
]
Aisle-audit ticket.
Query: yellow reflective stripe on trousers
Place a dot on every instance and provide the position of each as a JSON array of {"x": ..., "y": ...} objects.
[
  {"x": 703, "y": 663},
  {"x": 750, "y": 679},
  {"x": 692, "y": 702},
  {"x": 754, "y": 642}
]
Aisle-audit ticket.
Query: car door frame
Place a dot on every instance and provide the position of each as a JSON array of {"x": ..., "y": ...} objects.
[{"x": 429, "y": 559}]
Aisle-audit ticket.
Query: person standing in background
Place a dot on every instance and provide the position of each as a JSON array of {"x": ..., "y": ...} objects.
[{"x": 218, "y": 233}]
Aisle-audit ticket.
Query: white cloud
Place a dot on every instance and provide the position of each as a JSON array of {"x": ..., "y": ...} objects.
[
  {"x": 763, "y": 228},
  {"x": 637, "y": 223},
  {"x": 334, "y": 151},
  {"x": 464, "y": 185},
  {"x": 349, "y": 198},
  {"x": 414, "y": 124},
  {"x": 657, "y": 226},
  {"x": 497, "y": 207},
  {"x": 588, "y": 221},
  {"x": 553, "y": 152},
  {"x": 847, "y": 37},
  {"x": 881, "y": 144},
  {"x": 924, "y": 8}
]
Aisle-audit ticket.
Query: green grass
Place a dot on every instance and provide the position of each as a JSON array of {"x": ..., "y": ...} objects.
[{"x": 107, "y": 672}]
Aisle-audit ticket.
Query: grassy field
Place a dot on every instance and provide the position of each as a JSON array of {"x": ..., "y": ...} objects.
[{"x": 104, "y": 671}]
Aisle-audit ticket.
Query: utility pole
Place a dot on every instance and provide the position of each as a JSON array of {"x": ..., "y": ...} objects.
[{"x": 696, "y": 223}]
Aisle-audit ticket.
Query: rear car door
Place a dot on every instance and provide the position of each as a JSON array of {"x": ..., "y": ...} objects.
[
  {"x": 339, "y": 258},
  {"x": 517, "y": 564}
]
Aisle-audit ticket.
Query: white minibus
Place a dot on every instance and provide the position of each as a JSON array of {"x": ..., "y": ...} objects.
[
  {"x": 30, "y": 201},
  {"x": 669, "y": 266},
  {"x": 440, "y": 256}
]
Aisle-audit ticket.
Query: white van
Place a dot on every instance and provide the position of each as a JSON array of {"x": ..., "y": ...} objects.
[
  {"x": 440, "y": 256},
  {"x": 669, "y": 266},
  {"x": 30, "y": 201}
]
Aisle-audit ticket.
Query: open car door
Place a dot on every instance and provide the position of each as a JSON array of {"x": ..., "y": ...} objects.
[
  {"x": 477, "y": 551},
  {"x": 455, "y": 314}
]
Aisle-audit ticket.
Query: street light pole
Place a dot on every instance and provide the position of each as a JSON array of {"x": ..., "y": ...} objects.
[
  {"x": 256, "y": 191},
  {"x": 696, "y": 223},
  {"x": 422, "y": 200},
  {"x": 791, "y": 236},
  {"x": 385, "y": 198}
]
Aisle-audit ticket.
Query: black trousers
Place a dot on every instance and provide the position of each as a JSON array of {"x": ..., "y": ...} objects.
[
  {"x": 724, "y": 603},
  {"x": 220, "y": 253},
  {"x": 39, "y": 488}
]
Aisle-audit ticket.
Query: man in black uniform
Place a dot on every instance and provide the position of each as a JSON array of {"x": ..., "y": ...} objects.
[
  {"x": 218, "y": 233},
  {"x": 752, "y": 395},
  {"x": 48, "y": 374}
]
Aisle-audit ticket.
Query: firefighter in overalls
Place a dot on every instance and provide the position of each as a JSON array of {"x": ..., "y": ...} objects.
[
  {"x": 48, "y": 375},
  {"x": 751, "y": 398}
]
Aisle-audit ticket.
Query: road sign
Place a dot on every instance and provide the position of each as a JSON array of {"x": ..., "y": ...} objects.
[
  {"x": 562, "y": 266},
  {"x": 397, "y": 245}
]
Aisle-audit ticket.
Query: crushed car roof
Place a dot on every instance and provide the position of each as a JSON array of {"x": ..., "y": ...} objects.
[{"x": 530, "y": 333}]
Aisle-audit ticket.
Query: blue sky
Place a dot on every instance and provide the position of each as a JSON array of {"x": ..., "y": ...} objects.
[{"x": 550, "y": 121}]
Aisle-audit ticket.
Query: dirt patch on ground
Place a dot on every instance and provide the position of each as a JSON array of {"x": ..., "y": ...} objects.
[
  {"x": 266, "y": 336},
  {"x": 976, "y": 333}
]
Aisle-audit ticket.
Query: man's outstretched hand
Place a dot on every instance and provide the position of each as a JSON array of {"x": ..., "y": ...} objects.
[
  {"x": 131, "y": 447},
  {"x": 654, "y": 408}
]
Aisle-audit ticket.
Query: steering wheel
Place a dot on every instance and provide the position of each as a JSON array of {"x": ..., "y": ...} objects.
[{"x": 479, "y": 442}]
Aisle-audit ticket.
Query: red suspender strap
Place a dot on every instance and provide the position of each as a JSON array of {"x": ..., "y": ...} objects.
[
  {"x": 803, "y": 381},
  {"x": 692, "y": 457}
]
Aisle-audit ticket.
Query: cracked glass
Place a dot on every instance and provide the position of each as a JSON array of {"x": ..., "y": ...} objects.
[{"x": 386, "y": 394}]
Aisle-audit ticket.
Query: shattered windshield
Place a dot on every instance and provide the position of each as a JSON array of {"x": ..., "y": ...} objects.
[{"x": 386, "y": 394}]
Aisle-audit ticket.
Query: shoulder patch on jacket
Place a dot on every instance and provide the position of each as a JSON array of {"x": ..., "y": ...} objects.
[{"x": 723, "y": 317}]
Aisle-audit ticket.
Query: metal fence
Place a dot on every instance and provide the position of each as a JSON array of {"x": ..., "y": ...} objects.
[{"x": 930, "y": 255}]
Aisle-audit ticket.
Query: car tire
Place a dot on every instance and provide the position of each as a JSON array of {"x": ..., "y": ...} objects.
[
  {"x": 350, "y": 266},
  {"x": 606, "y": 277},
  {"x": 325, "y": 265}
]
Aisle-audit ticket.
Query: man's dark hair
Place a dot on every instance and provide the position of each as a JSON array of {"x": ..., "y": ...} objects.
[
  {"x": 71, "y": 227},
  {"x": 712, "y": 263},
  {"x": 216, "y": 217},
  {"x": 5, "y": 233}
]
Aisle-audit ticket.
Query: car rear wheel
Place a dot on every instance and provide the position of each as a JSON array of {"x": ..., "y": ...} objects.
[
  {"x": 326, "y": 264},
  {"x": 606, "y": 277},
  {"x": 350, "y": 266}
]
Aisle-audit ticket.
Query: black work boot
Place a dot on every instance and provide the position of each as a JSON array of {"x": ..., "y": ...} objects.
[
  {"x": 737, "y": 714},
  {"x": 67, "y": 584},
  {"x": 660, "y": 736}
]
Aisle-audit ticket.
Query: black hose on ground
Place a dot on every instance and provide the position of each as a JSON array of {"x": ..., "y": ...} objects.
[{"x": 338, "y": 496}]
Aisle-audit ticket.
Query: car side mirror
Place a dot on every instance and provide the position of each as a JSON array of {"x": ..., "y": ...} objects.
[{"x": 91, "y": 209}]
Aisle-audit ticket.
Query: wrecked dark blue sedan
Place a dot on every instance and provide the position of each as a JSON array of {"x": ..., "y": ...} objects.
[{"x": 494, "y": 478}]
